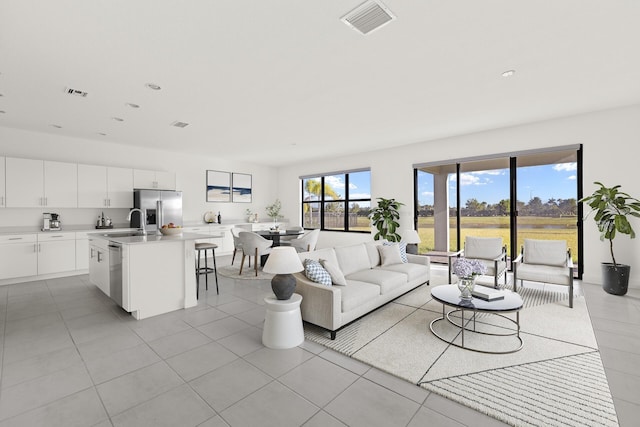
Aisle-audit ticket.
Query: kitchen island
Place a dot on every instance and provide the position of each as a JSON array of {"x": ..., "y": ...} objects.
[{"x": 146, "y": 275}]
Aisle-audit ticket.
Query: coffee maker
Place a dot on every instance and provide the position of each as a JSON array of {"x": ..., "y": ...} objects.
[{"x": 50, "y": 221}]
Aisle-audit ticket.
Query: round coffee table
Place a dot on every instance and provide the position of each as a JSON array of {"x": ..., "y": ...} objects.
[{"x": 449, "y": 295}]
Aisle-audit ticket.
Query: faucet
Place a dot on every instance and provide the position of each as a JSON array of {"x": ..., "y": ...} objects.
[{"x": 143, "y": 218}]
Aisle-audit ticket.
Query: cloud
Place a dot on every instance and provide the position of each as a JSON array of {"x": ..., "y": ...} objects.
[
  {"x": 334, "y": 182},
  {"x": 572, "y": 178},
  {"x": 566, "y": 167},
  {"x": 359, "y": 196},
  {"x": 427, "y": 193},
  {"x": 472, "y": 179}
]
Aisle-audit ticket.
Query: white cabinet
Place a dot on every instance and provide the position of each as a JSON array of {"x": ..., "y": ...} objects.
[
  {"x": 25, "y": 183},
  {"x": 120, "y": 187},
  {"x": 60, "y": 185},
  {"x": 99, "y": 264},
  {"x": 37, "y": 183},
  {"x": 82, "y": 251},
  {"x": 19, "y": 255},
  {"x": 146, "y": 179},
  {"x": 225, "y": 243},
  {"x": 104, "y": 187},
  {"x": 56, "y": 252},
  {"x": 2, "y": 185}
]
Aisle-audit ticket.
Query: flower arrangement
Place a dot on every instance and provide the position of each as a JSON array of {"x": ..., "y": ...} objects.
[
  {"x": 467, "y": 268},
  {"x": 273, "y": 210}
]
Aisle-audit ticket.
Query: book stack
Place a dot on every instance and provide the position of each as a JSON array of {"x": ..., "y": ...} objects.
[{"x": 488, "y": 294}]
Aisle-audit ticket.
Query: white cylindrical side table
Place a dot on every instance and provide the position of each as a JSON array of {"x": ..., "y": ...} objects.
[{"x": 283, "y": 323}]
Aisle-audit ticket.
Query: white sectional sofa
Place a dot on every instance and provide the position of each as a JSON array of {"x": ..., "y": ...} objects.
[{"x": 370, "y": 283}]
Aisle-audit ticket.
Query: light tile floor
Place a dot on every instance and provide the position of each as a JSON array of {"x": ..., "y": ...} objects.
[{"x": 71, "y": 357}]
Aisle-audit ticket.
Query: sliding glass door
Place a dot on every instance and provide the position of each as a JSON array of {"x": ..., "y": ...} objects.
[{"x": 524, "y": 195}]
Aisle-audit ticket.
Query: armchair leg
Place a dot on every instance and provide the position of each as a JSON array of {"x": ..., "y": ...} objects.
[
  {"x": 571, "y": 294},
  {"x": 234, "y": 256}
]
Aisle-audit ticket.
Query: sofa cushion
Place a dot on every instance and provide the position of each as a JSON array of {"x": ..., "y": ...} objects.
[
  {"x": 389, "y": 254},
  {"x": 326, "y": 253},
  {"x": 352, "y": 258},
  {"x": 334, "y": 271},
  {"x": 388, "y": 281},
  {"x": 357, "y": 293},
  {"x": 547, "y": 252},
  {"x": 402, "y": 247},
  {"x": 372, "y": 251},
  {"x": 413, "y": 271},
  {"x": 314, "y": 271}
]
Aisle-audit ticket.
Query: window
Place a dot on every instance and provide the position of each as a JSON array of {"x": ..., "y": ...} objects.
[{"x": 337, "y": 201}]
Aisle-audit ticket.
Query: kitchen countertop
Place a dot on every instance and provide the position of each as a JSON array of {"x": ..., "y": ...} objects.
[
  {"x": 149, "y": 238},
  {"x": 65, "y": 229}
]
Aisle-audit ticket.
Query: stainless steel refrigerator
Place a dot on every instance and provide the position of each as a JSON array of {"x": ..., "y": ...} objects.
[{"x": 162, "y": 207}]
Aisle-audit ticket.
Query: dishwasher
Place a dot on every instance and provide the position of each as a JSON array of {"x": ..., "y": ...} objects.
[{"x": 115, "y": 272}]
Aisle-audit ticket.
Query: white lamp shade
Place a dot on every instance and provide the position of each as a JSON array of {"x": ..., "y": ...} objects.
[
  {"x": 283, "y": 260},
  {"x": 410, "y": 236}
]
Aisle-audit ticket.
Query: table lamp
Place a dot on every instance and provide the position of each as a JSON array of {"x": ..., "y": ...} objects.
[
  {"x": 282, "y": 261},
  {"x": 411, "y": 238}
]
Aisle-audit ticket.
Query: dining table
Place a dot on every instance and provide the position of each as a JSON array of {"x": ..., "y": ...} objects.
[{"x": 276, "y": 235}]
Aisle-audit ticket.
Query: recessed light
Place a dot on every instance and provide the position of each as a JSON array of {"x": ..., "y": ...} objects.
[
  {"x": 117, "y": 119},
  {"x": 102, "y": 134},
  {"x": 508, "y": 73},
  {"x": 153, "y": 86},
  {"x": 132, "y": 105},
  {"x": 2, "y": 111},
  {"x": 56, "y": 126}
]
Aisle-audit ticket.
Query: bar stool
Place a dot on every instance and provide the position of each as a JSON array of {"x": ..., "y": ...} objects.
[{"x": 206, "y": 269}]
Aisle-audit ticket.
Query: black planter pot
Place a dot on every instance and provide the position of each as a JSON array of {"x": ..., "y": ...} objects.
[{"x": 615, "y": 279}]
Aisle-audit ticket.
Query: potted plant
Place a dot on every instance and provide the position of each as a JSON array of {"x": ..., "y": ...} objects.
[
  {"x": 273, "y": 210},
  {"x": 612, "y": 208},
  {"x": 384, "y": 218}
]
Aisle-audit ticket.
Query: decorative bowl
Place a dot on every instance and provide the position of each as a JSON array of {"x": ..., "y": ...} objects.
[{"x": 171, "y": 231}]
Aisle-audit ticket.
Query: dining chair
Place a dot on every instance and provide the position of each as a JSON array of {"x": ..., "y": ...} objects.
[
  {"x": 253, "y": 245},
  {"x": 237, "y": 246},
  {"x": 286, "y": 240},
  {"x": 307, "y": 242}
]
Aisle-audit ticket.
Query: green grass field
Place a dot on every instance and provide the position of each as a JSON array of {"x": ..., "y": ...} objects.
[{"x": 528, "y": 228}]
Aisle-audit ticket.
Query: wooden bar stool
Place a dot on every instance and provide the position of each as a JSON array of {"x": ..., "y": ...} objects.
[{"x": 206, "y": 269}]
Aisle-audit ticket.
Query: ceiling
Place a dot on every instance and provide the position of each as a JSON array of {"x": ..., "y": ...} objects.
[{"x": 281, "y": 81}]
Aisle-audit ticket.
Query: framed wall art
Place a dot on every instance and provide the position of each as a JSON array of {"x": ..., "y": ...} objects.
[
  {"x": 241, "y": 186},
  {"x": 218, "y": 186}
]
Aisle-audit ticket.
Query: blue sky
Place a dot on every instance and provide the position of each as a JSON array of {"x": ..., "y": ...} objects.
[{"x": 556, "y": 181}]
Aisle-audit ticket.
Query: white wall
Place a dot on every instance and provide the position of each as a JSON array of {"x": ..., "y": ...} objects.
[
  {"x": 608, "y": 138},
  {"x": 190, "y": 176}
]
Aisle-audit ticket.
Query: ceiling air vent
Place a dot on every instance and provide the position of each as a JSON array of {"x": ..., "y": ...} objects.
[
  {"x": 369, "y": 16},
  {"x": 180, "y": 124},
  {"x": 76, "y": 92}
]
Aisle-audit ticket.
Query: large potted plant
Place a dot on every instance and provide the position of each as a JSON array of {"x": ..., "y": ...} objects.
[
  {"x": 612, "y": 209},
  {"x": 384, "y": 218}
]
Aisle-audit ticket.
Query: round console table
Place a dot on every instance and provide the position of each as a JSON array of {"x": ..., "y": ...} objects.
[
  {"x": 449, "y": 295},
  {"x": 282, "y": 323}
]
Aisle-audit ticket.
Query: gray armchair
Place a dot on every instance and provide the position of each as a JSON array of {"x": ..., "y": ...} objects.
[
  {"x": 546, "y": 261},
  {"x": 253, "y": 245}
]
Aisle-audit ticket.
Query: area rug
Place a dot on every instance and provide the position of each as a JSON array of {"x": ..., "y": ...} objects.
[
  {"x": 248, "y": 273},
  {"x": 556, "y": 379}
]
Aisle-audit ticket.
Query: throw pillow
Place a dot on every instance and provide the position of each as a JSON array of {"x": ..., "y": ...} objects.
[
  {"x": 389, "y": 254},
  {"x": 315, "y": 272},
  {"x": 403, "y": 250},
  {"x": 334, "y": 271}
]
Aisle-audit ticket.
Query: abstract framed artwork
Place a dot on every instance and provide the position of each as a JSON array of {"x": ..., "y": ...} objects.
[
  {"x": 218, "y": 186},
  {"x": 241, "y": 188}
]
